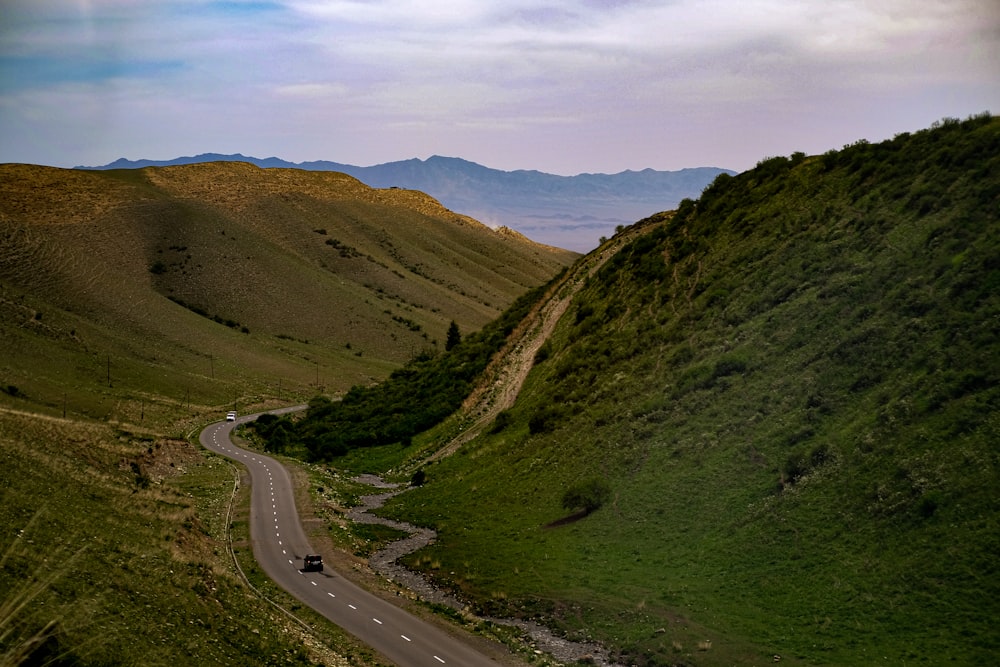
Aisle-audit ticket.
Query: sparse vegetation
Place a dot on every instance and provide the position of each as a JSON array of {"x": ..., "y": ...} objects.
[{"x": 218, "y": 319}]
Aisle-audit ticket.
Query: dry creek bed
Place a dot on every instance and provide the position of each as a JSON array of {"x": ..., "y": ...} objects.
[{"x": 385, "y": 562}]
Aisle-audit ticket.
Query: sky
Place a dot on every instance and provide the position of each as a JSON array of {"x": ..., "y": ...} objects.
[{"x": 565, "y": 87}]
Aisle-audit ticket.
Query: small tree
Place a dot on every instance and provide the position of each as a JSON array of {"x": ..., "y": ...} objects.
[
  {"x": 588, "y": 495},
  {"x": 278, "y": 435},
  {"x": 454, "y": 336}
]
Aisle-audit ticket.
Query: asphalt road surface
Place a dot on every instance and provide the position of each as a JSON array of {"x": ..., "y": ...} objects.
[{"x": 279, "y": 545}]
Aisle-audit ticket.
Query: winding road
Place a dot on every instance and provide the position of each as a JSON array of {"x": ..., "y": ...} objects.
[{"x": 279, "y": 544}]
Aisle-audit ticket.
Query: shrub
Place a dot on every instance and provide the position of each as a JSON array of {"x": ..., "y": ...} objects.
[
  {"x": 929, "y": 504},
  {"x": 544, "y": 420},
  {"x": 588, "y": 495},
  {"x": 729, "y": 366},
  {"x": 265, "y": 419},
  {"x": 502, "y": 421},
  {"x": 543, "y": 352},
  {"x": 795, "y": 468}
]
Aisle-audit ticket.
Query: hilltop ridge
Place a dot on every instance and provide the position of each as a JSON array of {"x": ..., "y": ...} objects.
[{"x": 571, "y": 212}]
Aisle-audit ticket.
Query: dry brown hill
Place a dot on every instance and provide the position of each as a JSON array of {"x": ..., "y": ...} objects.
[{"x": 258, "y": 268}]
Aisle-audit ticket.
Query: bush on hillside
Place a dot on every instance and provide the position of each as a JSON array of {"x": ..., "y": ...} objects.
[{"x": 586, "y": 496}]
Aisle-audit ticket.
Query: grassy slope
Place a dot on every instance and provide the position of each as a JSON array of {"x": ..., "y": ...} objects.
[
  {"x": 118, "y": 570},
  {"x": 336, "y": 283},
  {"x": 792, "y": 388},
  {"x": 88, "y": 331}
]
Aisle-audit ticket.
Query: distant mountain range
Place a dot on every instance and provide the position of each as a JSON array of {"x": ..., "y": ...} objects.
[{"x": 571, "y": 212}]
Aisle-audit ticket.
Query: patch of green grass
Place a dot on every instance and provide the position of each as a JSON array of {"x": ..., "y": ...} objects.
[{"x": 374, "y": 460}]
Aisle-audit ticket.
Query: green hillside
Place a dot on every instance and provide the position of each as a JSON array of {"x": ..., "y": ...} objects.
[{"x": 791, "y": 387}]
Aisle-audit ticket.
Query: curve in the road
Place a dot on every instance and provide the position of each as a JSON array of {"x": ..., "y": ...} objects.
[{"x": 279, "y": 545}]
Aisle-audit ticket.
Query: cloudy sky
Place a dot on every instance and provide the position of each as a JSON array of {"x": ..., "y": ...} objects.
[{"x": 556, "y": 85}]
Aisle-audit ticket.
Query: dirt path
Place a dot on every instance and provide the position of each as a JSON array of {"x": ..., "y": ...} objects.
[{"x": 506, "y": 373}]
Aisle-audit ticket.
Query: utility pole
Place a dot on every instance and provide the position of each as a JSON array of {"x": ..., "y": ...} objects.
[
  {"x": 211, "y": 361},
  {"x": 109, "y": 370}
]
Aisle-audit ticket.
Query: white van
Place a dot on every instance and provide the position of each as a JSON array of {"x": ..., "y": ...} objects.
[{"x": 231, "y": 416}]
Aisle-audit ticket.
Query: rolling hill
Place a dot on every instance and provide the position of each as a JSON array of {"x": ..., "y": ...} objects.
[
  {"x": 228, "y": 270},
  {"x": 571, "y": 212},
  {"x": 790, "y": 388}
]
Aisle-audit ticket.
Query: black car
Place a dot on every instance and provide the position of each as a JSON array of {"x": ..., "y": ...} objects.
[{"x": 312, "y": 563}]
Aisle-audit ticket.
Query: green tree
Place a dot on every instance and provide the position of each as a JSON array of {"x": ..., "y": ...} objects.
[
  {"x": 454, "y": 336},
  {"x": 587, "y": 495}
]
